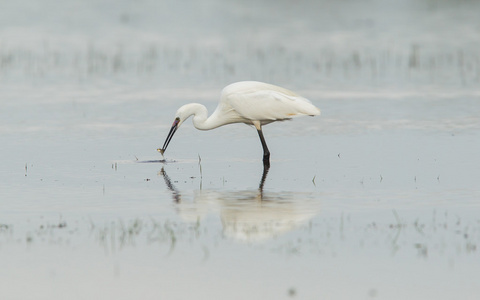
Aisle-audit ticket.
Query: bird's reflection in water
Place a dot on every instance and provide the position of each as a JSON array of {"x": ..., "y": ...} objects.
[{"x": 249, "y": 215}]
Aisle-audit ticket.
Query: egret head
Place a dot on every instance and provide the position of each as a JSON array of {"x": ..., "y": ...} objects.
[{"x": 182, "y": 114}]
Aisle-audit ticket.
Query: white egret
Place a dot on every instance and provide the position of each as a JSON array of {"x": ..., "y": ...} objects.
[{"x": 250, "y": 102}]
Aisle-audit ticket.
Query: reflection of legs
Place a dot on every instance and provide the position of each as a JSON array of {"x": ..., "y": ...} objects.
[{"x": 266, "y": 167}]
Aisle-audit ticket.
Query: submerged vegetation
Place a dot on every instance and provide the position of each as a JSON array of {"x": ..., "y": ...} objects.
[{"x": 439, "y": 235}]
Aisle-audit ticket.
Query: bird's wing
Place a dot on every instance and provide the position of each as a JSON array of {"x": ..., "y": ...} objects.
[{"x": 270, "y": 104}]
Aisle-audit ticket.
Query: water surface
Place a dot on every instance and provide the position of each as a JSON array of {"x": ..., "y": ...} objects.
[{"x": 375, "y": 198}]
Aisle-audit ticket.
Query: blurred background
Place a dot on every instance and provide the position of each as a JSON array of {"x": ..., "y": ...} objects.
[{"x": 334, "y": 45}]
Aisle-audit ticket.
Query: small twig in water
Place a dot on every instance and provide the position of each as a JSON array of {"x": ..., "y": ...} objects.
[
  {"x": 397, "y": 217},
  {"x": 399, "y": 226},
  {"x": 200, "y": 166}
]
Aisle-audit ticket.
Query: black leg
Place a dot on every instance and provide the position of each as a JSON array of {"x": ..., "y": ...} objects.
[{"x": 266, "y": 153}]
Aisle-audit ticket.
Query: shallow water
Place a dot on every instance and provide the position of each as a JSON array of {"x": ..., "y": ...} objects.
[{"x": 376, "y": 198}]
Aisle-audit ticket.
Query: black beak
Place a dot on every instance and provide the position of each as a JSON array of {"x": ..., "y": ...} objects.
[{"x": 169, "y": 136}]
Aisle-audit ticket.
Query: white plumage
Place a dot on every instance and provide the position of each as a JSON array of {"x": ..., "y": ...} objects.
[{"x": 258, "y": 101}]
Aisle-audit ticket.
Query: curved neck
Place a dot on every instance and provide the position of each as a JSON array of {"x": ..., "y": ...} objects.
[{"x": 201, "y": 120}]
